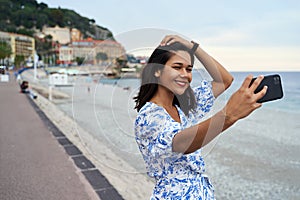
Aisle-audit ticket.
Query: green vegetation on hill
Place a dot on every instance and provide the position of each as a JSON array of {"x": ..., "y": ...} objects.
[{"x": 28, "y": 16}]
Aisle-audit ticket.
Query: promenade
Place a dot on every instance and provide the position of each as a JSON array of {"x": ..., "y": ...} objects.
[{"x": 37, "y": 161}]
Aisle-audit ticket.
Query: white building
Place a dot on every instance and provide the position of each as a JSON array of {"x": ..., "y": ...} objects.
[{"x": 61, "y": 35}]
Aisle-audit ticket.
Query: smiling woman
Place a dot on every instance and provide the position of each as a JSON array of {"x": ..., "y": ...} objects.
[{"x": 169, "y": 128}]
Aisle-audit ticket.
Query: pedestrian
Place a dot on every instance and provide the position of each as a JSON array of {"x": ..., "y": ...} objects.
[
  {"x": 25, "y": 89},
  {"x": 88, "y": 81},
  {"x": 169, "y": 128}
]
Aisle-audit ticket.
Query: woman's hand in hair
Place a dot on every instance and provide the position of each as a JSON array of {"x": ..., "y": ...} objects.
[{"x": 169, "y": 39}]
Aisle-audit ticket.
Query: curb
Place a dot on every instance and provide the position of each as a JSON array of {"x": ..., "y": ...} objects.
[{"x": 99, "y": 183}]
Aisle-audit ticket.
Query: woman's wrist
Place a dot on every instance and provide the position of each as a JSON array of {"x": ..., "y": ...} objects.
[
  {"x": 194, "y": 47},
  {"x": 228, "y": 119}
]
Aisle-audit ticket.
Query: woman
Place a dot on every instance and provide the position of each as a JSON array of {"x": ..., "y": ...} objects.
[{"x": 168, "y": 127}]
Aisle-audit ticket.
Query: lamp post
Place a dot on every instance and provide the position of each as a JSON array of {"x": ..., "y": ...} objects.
[{"x": 35, "y": 60}]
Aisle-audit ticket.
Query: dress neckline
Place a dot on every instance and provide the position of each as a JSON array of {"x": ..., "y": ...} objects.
[{"x": 177, "y": 108}]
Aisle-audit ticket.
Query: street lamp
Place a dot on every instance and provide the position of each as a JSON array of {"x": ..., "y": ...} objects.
[{"x": 35, "y": 60}]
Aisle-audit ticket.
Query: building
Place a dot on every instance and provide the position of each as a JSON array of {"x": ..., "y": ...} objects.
[
  {"x": 111, "y": 48},
  {"x": 70, "y": 46},
  {"x": 21, "y": 45},
  {"x": 76, "y": 34},
  {"x": 83, "y": 49},
  {"x": 65, "y": 55},
  {"x": 89, "y": 48},
  {"x": 60, "y": 35}
]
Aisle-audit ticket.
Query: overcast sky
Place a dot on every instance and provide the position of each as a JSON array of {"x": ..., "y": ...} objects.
[{"x": 242, "y": 35}]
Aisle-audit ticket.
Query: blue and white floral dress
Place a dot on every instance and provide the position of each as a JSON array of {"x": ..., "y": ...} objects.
[{"x": 178, "y": 176}]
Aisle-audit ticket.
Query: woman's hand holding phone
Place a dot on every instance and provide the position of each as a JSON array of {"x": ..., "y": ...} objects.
[
  {"x": 274, "y": 88},
  {"x": 244, "y": 100}
]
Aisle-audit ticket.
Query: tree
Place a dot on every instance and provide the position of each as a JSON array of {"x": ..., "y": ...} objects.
[
  {"x": 92, "y": 21},
  {"x": 5, "y": 50},
  {"x": 101, "y": 56},
  {"x": 19, "y": 60},
  {"x": 79, "y": 60},
  {"x": 31, "y": 15},
  {"x": 57, "y": 16}
]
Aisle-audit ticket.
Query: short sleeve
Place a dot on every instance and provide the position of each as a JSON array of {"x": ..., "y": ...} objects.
[
  {"x": 154, "y": 131},
  {"x": 204, "y": 99}
]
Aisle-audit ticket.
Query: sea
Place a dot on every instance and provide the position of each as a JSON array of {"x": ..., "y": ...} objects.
[{"x": 290, "y": 84}]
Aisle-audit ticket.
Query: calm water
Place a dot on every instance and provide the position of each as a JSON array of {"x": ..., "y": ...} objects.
[{"x": 290, "y": 83}]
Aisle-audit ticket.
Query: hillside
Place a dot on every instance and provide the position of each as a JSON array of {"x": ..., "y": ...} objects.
[{"x": 29, "y": 16}]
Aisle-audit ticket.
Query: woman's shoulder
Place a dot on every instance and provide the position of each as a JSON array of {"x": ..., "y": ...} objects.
[
  {"x": 150, "y": 111},
  {"x": 204, "y": 85},
  {"x": 150, "y": 117},
  {"x": 149, "y": 108},
  {"x": 204, "y": 90}
]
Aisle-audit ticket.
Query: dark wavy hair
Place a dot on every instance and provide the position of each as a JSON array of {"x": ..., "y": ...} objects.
[{"x": 149, "y": 83}]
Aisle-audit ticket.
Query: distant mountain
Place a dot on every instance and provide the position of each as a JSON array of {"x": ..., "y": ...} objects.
[{"x": 29, "y": 16}]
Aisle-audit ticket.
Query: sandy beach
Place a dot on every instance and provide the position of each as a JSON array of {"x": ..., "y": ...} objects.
[{"x": 257, "y": 158}]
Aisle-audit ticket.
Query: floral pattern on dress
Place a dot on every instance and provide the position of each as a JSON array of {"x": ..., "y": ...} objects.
[{"x": 178, "y": 176}]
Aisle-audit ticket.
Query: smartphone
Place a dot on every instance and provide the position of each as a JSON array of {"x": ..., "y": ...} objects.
[{"x": 274, "y": 91}]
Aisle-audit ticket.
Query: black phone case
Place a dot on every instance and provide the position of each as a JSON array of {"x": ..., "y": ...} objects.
[{"x": 274, "y": 88}]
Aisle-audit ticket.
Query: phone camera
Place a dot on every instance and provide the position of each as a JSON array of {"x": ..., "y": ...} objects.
[{"x": 276, "y": 80}]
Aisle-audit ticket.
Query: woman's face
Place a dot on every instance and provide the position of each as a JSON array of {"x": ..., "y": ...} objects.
[{"x": 177, "y": 73}]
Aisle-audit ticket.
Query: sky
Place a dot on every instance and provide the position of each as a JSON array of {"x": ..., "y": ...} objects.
[{"x": 256, "y": 35}]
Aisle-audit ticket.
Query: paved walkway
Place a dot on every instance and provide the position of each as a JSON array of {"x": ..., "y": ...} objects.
[{"x": 37, "y": 161}]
